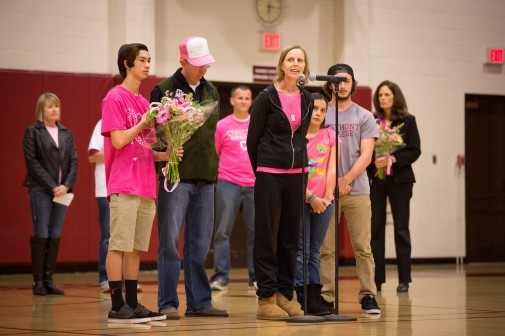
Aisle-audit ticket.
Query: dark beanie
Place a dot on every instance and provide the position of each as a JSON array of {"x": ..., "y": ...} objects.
[{"x": 341, "y": 68}]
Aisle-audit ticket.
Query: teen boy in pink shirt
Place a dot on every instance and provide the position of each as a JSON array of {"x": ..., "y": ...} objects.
[{"x": 131, "y": 183}]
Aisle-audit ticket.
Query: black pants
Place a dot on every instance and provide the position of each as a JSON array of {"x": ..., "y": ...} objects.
[
  {"x": 276, "y": 241},
  {"x": 399, "y": 199}
]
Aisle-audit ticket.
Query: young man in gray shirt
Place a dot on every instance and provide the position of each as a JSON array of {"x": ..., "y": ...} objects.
[{"x": 358, "y": 131}]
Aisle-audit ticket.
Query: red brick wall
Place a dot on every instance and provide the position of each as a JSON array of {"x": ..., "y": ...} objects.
[{"x": 81, "y": 96}]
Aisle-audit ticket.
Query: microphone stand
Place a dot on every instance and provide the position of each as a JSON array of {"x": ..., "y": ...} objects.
[
  {"x": 305, "y": 318},
  {"x": 336, "y": 317}
]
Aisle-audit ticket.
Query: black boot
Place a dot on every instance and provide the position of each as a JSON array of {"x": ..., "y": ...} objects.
[
  {"x": 314, "y": 304},
  {"x": 52, "y": 252},
  {"x": 299, "y": 296},
  {"x": 38, "y": 247}
]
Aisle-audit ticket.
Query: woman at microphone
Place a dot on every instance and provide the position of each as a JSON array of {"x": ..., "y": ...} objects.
[{"x": 277, "y": 148}]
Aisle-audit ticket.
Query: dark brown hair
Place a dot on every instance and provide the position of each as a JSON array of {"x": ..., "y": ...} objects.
[
  {"x": 327, "y": 90},
  {"x": 399, "y": 109},
  {"x": 319, "y": 96},
  {"x": 128, "y": 53}
]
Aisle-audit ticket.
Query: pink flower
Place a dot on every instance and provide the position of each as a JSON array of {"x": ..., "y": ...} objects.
[
  {"x": 178, "y": 94},
  {"x": 163, "y": 115},
  {"x": 199, "y": 118},
  {"x": 186, "y": 106},
  {"x": 178, "y": 118},
  {"x": 395, "y": 137}
]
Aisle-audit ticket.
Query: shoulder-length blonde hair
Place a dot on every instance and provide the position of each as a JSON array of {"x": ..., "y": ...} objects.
[
  {"x": 39, "y": 107},
  {"x": 279, "y": 74}
]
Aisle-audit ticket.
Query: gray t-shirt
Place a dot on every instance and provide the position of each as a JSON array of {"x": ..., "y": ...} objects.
[{"x": 354, "y": 124}]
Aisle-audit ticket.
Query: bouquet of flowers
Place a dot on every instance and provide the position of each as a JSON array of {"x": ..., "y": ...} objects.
[
  {"x": 179, "y": 117},
  {"x": 388, "y": 142}
]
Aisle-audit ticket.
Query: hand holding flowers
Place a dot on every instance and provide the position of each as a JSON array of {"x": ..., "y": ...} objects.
[
  {"x": 179, "y": 117},
  {"x": 388, "y": 142}
]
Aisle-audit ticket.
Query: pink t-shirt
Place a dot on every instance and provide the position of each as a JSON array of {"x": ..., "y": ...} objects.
[
  {"x": 234, "y": 164},
  {"x": 292, "y": 107},
  {"x": 53, "y": 131},
  {"x": 319, "y": 150},
  {"x": 129, "y": 170}
]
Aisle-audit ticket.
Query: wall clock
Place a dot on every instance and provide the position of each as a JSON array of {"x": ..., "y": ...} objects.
[{"x": 269, "y": 11}]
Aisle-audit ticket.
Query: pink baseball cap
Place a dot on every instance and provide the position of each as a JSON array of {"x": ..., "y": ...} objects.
[{"x": 195, "y": 50}]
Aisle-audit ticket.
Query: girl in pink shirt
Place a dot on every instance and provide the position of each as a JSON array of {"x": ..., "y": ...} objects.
[{"x": 322, "y": 154}]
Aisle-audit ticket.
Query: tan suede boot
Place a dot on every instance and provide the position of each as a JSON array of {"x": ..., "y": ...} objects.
[
  {"x": 291, "y": 307},
  {"x": 269, "y": 310}
]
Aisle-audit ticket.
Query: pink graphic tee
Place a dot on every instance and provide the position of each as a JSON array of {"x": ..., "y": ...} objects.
[
  {"x": 129, "y": 170},
  {"x": 234, "y": 164},
  {"x": 319, "y": 150}
]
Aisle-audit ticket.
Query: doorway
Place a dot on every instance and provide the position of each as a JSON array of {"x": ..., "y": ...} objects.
[{"x": 485, "y": 178}]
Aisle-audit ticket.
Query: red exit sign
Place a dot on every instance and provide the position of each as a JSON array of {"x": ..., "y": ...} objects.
[
  {"x": 271, "y": 41},
  {"x": 494, "y": 55}
]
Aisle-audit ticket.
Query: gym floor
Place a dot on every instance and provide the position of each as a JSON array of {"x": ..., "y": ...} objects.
[{"x": 443, "y": 300}]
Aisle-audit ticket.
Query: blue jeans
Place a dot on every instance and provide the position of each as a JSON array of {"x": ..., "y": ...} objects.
[
  {"x": 192, "y": 204},
  {"x": 103, "y": 247},
  {"x": 229, "y": 197},
  {"x": 47, "y": 216},
  {"x": 316, "y": 227}
]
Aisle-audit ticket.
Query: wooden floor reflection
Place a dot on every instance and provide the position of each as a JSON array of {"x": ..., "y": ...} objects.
[{"x": 443, "y": 300}]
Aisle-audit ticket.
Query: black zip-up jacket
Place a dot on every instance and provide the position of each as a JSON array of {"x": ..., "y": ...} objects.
[
  {"x": 43, "y": 159},
  {"x": 270, "y": 140}
]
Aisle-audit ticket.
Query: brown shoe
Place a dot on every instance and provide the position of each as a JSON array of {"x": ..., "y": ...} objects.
[
  {"x": 269, "y": 310},
  {"x": 291, "y": 307}
]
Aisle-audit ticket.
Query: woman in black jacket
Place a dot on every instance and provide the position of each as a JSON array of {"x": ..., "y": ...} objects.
[
  {"x": 51, "y": 163},
  {"x": 391, "y": 109},
  {"x": 277, "y": 149}
]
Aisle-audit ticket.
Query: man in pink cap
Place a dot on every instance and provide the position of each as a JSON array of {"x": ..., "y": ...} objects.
[{"x": 192, "y": 202}]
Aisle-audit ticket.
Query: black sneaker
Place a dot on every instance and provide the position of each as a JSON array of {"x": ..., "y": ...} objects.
[
  {"x": 369, "y": 305},
  {"x": 126, "y": 315},
  {"x": 207, "y": 312},
  {"x": 402, "y": 288},
  {"x": 141, "y": 311},
  {"x": 327, "y": 304}
]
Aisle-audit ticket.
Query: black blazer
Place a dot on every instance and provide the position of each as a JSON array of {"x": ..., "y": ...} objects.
[
  {"x": 402, "y": 168},
  {"x": 43, "y": 159}
]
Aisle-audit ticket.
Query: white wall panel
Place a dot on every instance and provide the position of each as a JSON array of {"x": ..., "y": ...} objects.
[{"x": 433, "y": 49}]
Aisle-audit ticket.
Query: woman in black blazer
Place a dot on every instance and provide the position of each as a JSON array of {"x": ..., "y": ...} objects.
[
  {"x": 391, "y": 108},
  {"x": 51, "y": 163}
]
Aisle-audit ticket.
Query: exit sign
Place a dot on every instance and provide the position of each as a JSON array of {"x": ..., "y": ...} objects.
[
  {"x": 494, "y": 55},
  {"x": 271, "y": 41}
]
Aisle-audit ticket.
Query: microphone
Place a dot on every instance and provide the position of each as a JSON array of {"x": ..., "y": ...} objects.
[
  {"x": 301, "y": 80},
  {"x": 327, "y": 78}
]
